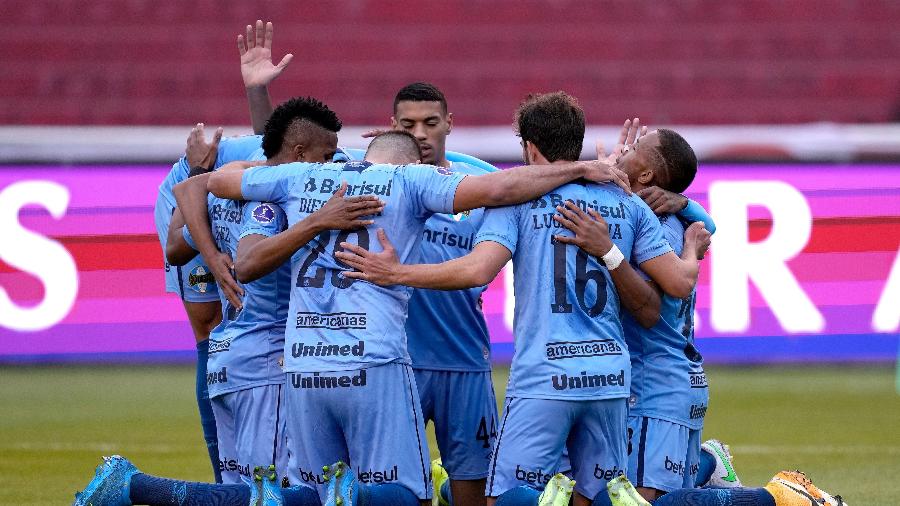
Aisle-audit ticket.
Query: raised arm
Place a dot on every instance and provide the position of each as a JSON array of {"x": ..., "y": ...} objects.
[
  {"x": 520, "y": 184},
  {"x": 592, "y": 235},
  {"x": 259, "y": 255},
  {"x": 258, "y": 71},
  {"x": 477, "y": 268}
]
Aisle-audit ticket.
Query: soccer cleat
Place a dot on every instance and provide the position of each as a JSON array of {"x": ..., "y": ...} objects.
[
  {"x": 723, "y": 475},
  {"x": 111, "y": 484},
  {"x": 793, "y": 488},
  {"x": 439, "y": 476},
  {"x": 271, "y": 492},
  {"x": 341, "y": 480},
  {"x": 255, "y": 485},
  {"x": 557, "y": 492},
  {"x": 622, "y": 493}
]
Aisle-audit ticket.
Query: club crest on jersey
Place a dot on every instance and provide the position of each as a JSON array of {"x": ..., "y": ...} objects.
[
  {"x": 444, "y": 171},
  {"x": 264, "y": 214},
  {"x": 463, "y": 216},
  {"x": 199, "y": 279}
]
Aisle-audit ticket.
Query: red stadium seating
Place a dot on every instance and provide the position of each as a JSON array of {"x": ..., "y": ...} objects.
[{"x": 692, "y": 61}]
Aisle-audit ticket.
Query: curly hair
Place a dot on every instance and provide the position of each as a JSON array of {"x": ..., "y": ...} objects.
[
  {"x": 289, "y": 115},
  {"x": 679, "y": 159},
  {"x": 554, "y": 123}
]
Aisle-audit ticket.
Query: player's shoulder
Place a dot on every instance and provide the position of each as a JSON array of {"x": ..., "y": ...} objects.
[{"x": 468, "y": 169}]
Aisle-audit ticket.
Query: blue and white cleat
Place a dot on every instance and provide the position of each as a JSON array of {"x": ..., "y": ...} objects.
[
  {"x": 111, "y": 484},
  {"x": 723, "y": 475},
  {"x": 271, "y": 491},
  {"x": 341, "y": 485}
]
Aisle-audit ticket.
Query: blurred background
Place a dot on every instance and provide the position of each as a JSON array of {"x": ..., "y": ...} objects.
[{"x": 792, "y": 106}]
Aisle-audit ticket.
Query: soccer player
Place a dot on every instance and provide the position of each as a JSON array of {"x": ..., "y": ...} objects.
[
  {"x": 569, "y": 377},
  {"x": 246, "y": 378},
  {"x": 195, "y": 282},
  {"x": 669, "y": 392},
  {"x": 447, "y": 334},
  {"x": 351, "y": 394}
]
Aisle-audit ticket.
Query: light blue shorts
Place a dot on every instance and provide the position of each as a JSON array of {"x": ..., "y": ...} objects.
[
  {"x": 193, "y": 282},
  {"x": 369, "y": 418},
  {"x": 463, "y": 409},
  {"x": 662, "y": 455},
  {"x": 534, "y": 433},
  {"x": 250, "y": 426}
]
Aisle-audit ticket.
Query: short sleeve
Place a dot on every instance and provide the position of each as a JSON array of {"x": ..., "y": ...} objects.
[
  {"x": 673, "y": 231},
  {"x": 500, "y": 225},
  {"x": 271, "y": 184},
  {"x": 430, "y": 189},
  {"x": 262, "y": 218},
  {"x": 187, "y": 237},
  {"x": 244, "y": 147},
  {"x": 649, "y": 241}
]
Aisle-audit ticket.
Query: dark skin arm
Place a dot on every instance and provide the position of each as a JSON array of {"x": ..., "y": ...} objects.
[
  {"x": 178, "y": 251},
  {"x": 258, "y": 71},
  {"x": 592, "y": 235},
  {"x": 477, "y": 268},
  {"x": 263, "y": 255},
  {"x": 191, "y": 197}
]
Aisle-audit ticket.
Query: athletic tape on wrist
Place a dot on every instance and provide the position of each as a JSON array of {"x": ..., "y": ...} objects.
[{"x": 613, "y": 258}]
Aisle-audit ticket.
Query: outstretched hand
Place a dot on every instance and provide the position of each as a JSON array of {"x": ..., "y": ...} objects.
[
  {"x": 630, "y": 133},
  {"x": 378, "y": 268},
  {"x": 346, "y": 213},
  {"x": 256, "y": 56}
]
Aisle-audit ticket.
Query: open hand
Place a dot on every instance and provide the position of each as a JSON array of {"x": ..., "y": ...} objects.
[
  {"x": 256, "y": 56},
  {"x": 663, "y": 201},
  {"x": 630, "y": 133},
  {"x": 198, "y": 152},
  {"x": 601, "y": 171},
  {"x": 345, "y": 213},
  {"x": 378, "y": 268},
  {"x": 590, "y": 229}
]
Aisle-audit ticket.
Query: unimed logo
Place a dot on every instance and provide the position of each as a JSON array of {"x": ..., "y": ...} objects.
[{"x": 317, "y": 380}]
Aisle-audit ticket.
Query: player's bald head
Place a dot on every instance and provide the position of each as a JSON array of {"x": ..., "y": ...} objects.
[
  {"x": 395, "y": 146},
  {"x": 301, "y": 129}
]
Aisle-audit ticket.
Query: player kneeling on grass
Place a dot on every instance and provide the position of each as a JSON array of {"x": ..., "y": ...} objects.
[{"x": 570, "y": 373}]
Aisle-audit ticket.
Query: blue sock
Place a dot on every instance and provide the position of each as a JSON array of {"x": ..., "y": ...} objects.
[
  {"x": 602, "y": 498},
  {"x": 447, "y": 492},
  {"x": 717, "y": 497},
  {"x": 207, "y": 420},
  {"x": 707, "y": 466},
  {"x": 519, "y": 496},
  {"x": 299, "y": 495},
  {"x": 387, "y": 494},
  {"x": 146, "y": 489}
]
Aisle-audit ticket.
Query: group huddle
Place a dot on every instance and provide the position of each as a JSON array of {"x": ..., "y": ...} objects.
[{"x": 335, "y": 296}]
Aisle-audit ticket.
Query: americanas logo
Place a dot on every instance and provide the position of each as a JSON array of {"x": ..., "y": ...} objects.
[
  {"x": 199, "y": 279},
  {"x": 264, "y": 214}
]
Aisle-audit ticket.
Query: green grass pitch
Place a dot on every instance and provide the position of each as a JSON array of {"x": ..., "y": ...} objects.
[{"x": 840, "y": 425}]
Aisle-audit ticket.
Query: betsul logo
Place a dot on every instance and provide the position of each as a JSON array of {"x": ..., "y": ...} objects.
[{"x": 37, "y": 255}]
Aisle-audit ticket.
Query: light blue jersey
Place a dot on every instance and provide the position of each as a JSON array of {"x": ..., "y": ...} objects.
[
  {"x": 668, "y": 381},
  {"x": 446, "y": 329},
  {"x": 569, "y": 339},
  {"x": 246, "y": 147},
  {"x": 246, "y": 347},
  {"x": 336, "y": 323}
]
